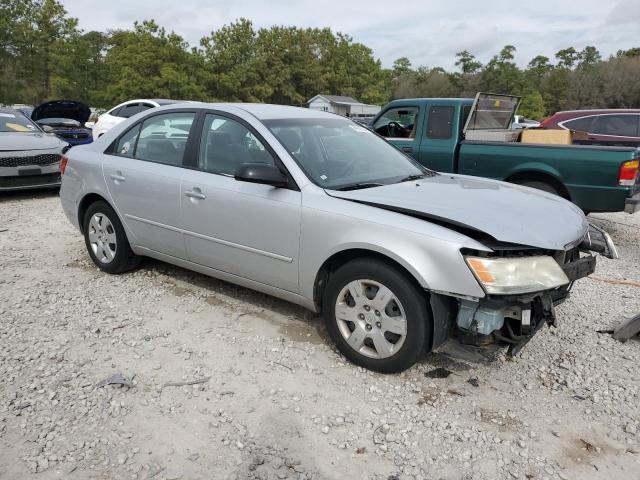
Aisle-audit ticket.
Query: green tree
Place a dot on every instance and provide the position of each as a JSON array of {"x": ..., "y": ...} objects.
[
  {"x": 567, "y": 57},
  {"x": 588, "y": 56},
  {"x": 401, "y": 66},
  {"x": 532, "y": 105},
  {"x": 501, "y": 74},
  {"x": 149, "y": 62},
  {"x": 467, "y": 63}
]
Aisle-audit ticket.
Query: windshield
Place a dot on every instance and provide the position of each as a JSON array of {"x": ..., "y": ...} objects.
[
  {"x": 337, "y": 153},
  {"x": 16, "y": 122}
]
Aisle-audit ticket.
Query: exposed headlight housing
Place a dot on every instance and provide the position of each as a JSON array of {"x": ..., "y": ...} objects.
[{"x": 508, "y": 276}]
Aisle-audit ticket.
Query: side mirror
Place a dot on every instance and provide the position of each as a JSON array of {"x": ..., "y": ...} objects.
[
  {"x": 261, "y": 173},
  {"x": 47, "y": 128}
]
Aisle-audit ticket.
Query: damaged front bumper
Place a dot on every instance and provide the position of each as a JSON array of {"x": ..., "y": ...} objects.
[
  {"x": 513, "y": 320},
  {"x": 510, "y": 321}
]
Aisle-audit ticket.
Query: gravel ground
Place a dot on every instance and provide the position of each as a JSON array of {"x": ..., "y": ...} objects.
[{"x": 274, "y": 399}]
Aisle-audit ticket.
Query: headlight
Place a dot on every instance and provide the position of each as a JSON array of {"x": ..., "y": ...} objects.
[{"x": 504, "y": 276}]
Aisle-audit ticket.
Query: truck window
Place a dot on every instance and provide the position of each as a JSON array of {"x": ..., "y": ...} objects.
[
  {"x": 466, "y": 110},
  {"x": 440, "y": 123},
  {"x": 397, "y": 122}
]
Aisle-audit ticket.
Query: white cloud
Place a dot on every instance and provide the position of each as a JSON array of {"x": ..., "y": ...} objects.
[{"x": 427, "y": 32}]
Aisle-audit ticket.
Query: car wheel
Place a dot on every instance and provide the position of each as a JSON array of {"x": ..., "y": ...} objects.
[
  {"x": 376, "y": 315},
  {"x": 106, "y": 240},
  {"x": 537, "y": 184}
]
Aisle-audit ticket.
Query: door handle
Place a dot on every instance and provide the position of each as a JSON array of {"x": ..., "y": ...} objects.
[
  {"x": 118, "y": 177},
  {"x": 407, "y": 149},
  {"x": 195, "y": 193}
]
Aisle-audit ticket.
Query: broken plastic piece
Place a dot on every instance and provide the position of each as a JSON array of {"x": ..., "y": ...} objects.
[
  {"x": 627, "y": 329},
  {"x": 116, "y": 379}
]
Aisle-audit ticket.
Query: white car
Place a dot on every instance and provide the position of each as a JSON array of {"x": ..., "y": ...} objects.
[{"x": 125, "y": 110}]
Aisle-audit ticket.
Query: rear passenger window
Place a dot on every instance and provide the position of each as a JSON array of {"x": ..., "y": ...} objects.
[
  {"x": 129, "y": 110},
  {"x": 440, "y": 123},
  {"x": 163, "y": 138},
  {"x": 583, "y": 124},
  {"x": 227, "y": 144},
  {"x": 127, "y": 144},
  {"x": 618, "y": 125}
]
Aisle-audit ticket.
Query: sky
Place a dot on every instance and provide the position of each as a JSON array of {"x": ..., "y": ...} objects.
[{"x": 427, "y": 32}]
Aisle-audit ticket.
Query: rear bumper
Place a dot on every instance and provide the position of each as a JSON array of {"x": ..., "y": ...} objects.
[{"x": 632, "y": 205}]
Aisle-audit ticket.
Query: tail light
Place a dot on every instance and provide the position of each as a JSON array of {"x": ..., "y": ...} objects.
[
  {"x": 63, "y": 164},
  {"x": 629, "y": 173}
]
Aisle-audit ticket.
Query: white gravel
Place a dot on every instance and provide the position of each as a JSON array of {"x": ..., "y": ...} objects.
[{"x": 281, "y": 402}]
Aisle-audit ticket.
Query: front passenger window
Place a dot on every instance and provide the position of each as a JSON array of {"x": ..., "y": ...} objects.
[
  {"x": 226, "y": 144},
  {"x": 163, "y": 138}
]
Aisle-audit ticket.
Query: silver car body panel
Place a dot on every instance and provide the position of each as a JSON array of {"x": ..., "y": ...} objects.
[{"x": 276, "y": 240}]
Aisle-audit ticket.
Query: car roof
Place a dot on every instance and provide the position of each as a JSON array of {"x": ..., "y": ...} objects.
[
  {"x": 263, "y": 111},
  {"x": 11, "y": 110},
  {"x": 597, "y": 111}
]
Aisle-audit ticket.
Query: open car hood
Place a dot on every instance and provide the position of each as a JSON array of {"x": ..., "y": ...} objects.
[
  {"x": 482, "y": 209},
  {"x": 62, "y": 109}
]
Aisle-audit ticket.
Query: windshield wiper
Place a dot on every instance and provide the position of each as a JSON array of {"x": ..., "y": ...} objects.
[
  {"x": 412, "y": 177},
  {"x": 358, "y": 186}
]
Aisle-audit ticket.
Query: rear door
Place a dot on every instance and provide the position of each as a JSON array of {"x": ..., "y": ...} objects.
[
  {"x": 143, "y": 171},
  {"x": 400, "y": 125},
  {"x": 246, "y": 229},
  {"x": 440, "y": 138}
]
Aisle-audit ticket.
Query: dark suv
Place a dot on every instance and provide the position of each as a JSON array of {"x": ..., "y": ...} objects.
[{"x": 604, "y": 127}]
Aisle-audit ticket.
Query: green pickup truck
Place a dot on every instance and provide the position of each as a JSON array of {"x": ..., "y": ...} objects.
[{"x": 472, "y": 137}]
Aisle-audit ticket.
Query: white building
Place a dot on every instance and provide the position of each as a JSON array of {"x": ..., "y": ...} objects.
[{"x": 345, "y": 106}]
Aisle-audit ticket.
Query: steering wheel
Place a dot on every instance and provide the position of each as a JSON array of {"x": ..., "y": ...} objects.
[{"x": 394, "y": 129}]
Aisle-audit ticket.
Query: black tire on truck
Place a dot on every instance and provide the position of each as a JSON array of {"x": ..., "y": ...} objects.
[{"x": 540, "y": 185}]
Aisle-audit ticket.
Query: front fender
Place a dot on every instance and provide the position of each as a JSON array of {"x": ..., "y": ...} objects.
[{"x": 434, "y": 261}]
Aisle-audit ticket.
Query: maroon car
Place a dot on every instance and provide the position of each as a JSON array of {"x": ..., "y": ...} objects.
[{"x": 605, "y": 127}]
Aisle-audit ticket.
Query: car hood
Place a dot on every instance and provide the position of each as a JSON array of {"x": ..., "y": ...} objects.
[
  {"x": 11, "y": 142},
  {"x": 62, "y": 109},
  {"x": 505, "y": 212}
]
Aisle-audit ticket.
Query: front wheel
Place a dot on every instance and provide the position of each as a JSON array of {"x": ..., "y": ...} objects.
[{"x": 377, "y": 316}]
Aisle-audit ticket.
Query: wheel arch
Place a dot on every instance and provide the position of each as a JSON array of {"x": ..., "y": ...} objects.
[
  {"x": 339, "y": 258},
  {"x": 537, "y": 173},
  {"x": 85, "y": 203}
]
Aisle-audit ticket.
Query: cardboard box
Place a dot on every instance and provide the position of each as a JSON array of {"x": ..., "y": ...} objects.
[{"x": 550, "y": 137}]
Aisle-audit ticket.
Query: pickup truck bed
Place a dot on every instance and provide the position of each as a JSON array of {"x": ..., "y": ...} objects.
[{"x": 581, "y": 173}]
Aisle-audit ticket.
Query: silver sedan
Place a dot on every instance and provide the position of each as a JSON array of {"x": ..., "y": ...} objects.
[{"x": 315, "y": 209}]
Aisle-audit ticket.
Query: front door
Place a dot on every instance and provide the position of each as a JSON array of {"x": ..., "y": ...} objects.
[
  {"x": 246, "y": 229},
  {"x": 143, "y": 177},
  {"x": 400, "y": 126}
]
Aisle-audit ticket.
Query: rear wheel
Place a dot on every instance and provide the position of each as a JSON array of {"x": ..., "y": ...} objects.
[
  {"x": 106, "y": 240},
  {"x": 376, "y": 315},
  {"x": 540, "y": 185}
]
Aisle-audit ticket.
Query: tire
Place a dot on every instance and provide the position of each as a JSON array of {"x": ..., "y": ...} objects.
[
  {"x": 377, "y": 334},
  {"x": 106, "y": 240},
  {"x": 540, "y": 185}
]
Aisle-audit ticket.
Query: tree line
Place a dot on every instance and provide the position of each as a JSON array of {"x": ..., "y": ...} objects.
[{"x": 45, "y": 55}]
